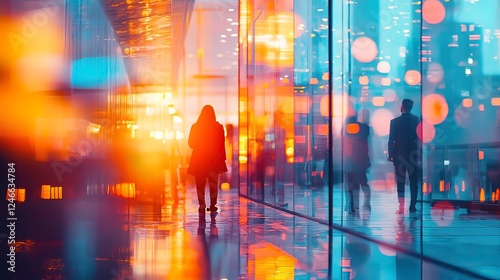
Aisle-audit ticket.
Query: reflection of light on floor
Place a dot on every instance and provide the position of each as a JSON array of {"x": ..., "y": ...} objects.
[
  {"x": 267, "y": 261},
  {"x": 165, "y": 254},
  {"x": 443, "y": 213}
]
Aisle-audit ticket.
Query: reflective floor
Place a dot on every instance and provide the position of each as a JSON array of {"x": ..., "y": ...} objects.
[{"x": 113, "y": 238}]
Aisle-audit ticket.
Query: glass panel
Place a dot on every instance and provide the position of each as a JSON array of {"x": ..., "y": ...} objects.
[{"x": 311, "y": 118}]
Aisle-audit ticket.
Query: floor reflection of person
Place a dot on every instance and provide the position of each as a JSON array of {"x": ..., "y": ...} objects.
[
  {"x": 212, "y": 256},
  {"x": 356, "y": 163},
  {"x": 407, "y": 267},
  {"x": 405, "y": 152},
  {"x": 206, "y": 138}
]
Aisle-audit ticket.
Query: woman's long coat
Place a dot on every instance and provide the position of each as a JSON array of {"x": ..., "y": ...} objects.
[{"x": 209, "y": 151}]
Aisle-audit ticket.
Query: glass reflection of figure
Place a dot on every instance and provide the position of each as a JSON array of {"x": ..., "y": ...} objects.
[
  {"x": 356, "y": 163},
  {"x": 407, "y": 267},
  {"x": 280, "y": 158}
]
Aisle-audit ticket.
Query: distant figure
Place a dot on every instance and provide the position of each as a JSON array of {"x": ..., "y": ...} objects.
[
  {"x": 356, "y": 163},
  {"x": 206, "y": 138},
  {"x": 405, "y": 153}
]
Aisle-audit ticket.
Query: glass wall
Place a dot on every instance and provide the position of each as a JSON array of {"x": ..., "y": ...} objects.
[{"x": 320, "y": 82}]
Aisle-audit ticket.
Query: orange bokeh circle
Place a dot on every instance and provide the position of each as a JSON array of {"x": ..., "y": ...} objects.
[
  {"x": 413, "y": 77},
  {"x": 434, "y": 108},
  {"x": 364, "y": 49},
  {"x": 426, "y": 132},
  {"x": 433, "y": 11}
]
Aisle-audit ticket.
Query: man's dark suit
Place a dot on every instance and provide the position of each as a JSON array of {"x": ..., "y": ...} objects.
[{"x": 405, "y": 152}]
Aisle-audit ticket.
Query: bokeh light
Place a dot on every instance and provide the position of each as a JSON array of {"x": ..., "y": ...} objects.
[
  {"x": 467, "y": 102},
  {"x": 364, "y": 49},
  {"x": 378, "y": 101},
  {"x": 435, "y": 73},
  {"x": 364, "y": 80},
  {"x": 352, "y": 128},
  {"x": 434, "y": 108},
  {"x": 413, "y": 77},
  {"x": 384, "y": 67},
  {"x": 381, "y": 121},
  {"x": 426, "y": 132},
  {"x": 433, "y": 11},
  {"x": 385, "y": 81}
]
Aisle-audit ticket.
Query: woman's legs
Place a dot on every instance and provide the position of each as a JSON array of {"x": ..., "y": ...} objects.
[
  {"x": 200, "y": 190},
  {"x": 213, "y": 179}
]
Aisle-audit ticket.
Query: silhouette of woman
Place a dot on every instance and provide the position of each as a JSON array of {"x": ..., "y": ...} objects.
[{"x": 206, "y": 138}]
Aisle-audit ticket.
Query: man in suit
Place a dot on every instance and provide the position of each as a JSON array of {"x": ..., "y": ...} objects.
[{"x": 405, "y": 153}]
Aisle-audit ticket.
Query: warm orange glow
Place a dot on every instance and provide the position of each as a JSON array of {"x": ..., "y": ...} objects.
[
  {"x": 352, "y": 128},
  {"x": 302, "y": 104},
  {"x": 126, "y": 190},
  {"x": 426, "y": 132},
  {"x": 267, "y": 261},
  {"x": 378, "y": 101},
  {"x": 19, "y": 195},
  {"x": 413, "y": 77},
  {"x": 225, "y": 186},
  {"x": 482, "y": 195},
  {"x": 325, "y": 76},
  {"x": 467, "y": 102},
  {"x": 495, "y": 101},
  {"x": 363, "y": 80},
  {"x": 481, "y": 107},
  {"x": 441, "y": 185},
  {"x": 498, "y": 194},
  {"x": 45, "y": 192},
  {"x": 481, "y": 155},
  {"x": 322, "y": 129},
  {"x": 424, "y": 187},
  {"x": 49, "y": 192},
  {"x": 289, "y": 146},
  {"x": 434, "y": 108},
  {"x": 364, "y": 49},
  {"x": 493, "y": 197},
  {"x": 243, "y": 159},
  {"x": 463, "y": 186},
  {"x": 433, "y": 11},
  {"x": 274, "y": 39},
  {"x": 313, "y": 81},
  {"x": 243, "y": 149}
]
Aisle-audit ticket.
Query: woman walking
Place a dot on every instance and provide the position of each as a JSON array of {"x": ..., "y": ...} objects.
[{"x": 206, "y": 138}]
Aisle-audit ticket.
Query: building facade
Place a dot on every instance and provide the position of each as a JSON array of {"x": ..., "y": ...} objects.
[{"x": 307, "y": 67}]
